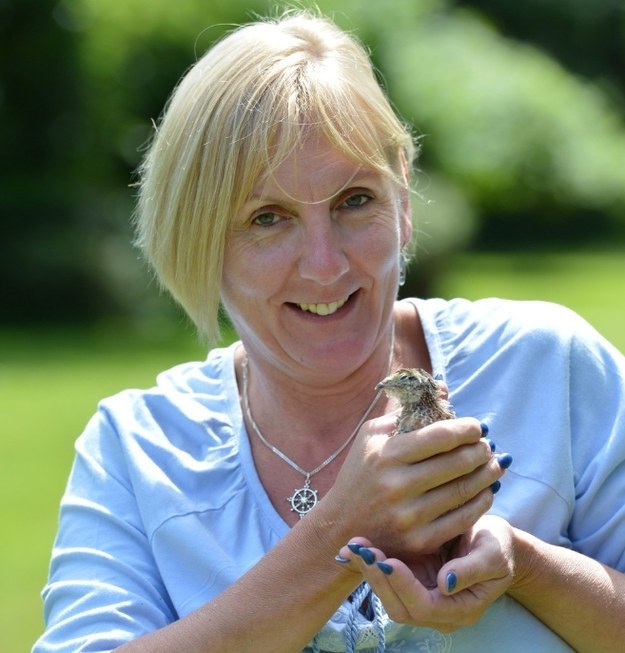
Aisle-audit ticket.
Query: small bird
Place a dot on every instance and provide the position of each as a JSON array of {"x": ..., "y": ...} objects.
[{"x": 422, "y": 398}]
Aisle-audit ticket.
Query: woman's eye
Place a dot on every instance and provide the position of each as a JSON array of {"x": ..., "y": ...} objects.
[
  {"x": 356, "y": 200},
  {"x": 266, "y": 219}
]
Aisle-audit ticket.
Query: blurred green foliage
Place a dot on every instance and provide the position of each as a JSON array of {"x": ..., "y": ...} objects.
[{"x": 519, "y": 107}]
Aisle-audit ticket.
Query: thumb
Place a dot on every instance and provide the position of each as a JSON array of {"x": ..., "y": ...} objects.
[
  {"x": 463, "y": 572},
  {"x": 471, "y": 571}
]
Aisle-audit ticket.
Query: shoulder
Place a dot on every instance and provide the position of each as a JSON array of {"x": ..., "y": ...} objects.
[
  {"x": 466, "y": 334},
  {"x": 489, "y": 318},
  {"x": 204, "y": 382},
  {"x": 190, "y": 407},
  {"x": 166, "y": 442}
]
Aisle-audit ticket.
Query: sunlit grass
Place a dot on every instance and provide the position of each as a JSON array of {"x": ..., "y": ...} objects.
[
  {"x": 593, "y": 284},
  {"x": 50, "y": 384},
  {"x": 49, "y": 387}
]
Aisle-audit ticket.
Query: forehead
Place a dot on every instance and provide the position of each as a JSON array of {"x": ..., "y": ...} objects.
[{"x": 312, "y": 172}]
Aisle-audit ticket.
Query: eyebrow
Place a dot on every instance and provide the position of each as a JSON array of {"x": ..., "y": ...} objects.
[{"x": 363, "y": 175}]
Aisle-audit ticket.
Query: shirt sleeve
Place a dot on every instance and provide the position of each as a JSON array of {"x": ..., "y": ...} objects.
[
  {"x": 597, "y": 410},
  {"x": 104, "y": 588}
]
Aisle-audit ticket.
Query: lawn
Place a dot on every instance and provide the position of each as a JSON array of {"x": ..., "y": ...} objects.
[
  {"x": 591, "y": 283},
  {"x": 50, "y": 383}
]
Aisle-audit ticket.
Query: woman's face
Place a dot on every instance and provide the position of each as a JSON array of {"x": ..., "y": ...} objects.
[{"x": 311, "y": 264}]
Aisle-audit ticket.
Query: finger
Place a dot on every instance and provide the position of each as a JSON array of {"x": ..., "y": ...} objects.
[
  {"x": 463, "y": 488},
  {"x": 377, "y": 570},
  {"x": 434, "y": 439},
  {"x": 349, "y": 552},
  {"x": 403, "y": 596},
  {"x": 407, "y": 600},
  {"x": 453, "y": 475},
  {"x": 485, "y": 570},
  {"x": 395, "y": 583},
  {"x": 435, "y": 530},
  {"x": 367, "y": 558},
  {"x": 457, "y": 465},
  {"x": 383, "y": 425}
]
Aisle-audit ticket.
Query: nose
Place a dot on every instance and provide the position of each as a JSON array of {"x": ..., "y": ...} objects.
[{"x": 322, "y": 258}]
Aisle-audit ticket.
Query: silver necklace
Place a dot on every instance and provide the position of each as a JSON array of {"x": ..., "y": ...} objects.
[{"x": 305, "y": 498}]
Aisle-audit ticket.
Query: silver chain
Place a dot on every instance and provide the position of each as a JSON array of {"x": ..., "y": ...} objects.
[{"x": 281, "y": 454}]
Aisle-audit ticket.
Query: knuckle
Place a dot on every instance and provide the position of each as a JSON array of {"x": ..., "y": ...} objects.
[
  {"x": 484, "y": 501},
  {"x": 409, "y": 537},
  {"x": 463, "y": 490},
  {"x": 470, "y": 457},
  {"x": 467, "y": 428},
  {"x": 391, "y": 489},
  {"x": 473, "y": 509},
  {"x": 404, "y": 528}
]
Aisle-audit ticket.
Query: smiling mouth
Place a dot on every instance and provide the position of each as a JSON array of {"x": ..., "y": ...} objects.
[{"x": 324, "y": 309}]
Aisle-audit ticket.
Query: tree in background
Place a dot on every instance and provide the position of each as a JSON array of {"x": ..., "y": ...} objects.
[
  {"x": 44, "y": 135},
  {"x": 519, "y": 107}
]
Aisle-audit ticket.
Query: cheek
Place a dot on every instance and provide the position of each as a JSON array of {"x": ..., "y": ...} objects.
[
  {"x": 380, "y": 251},
  {"x": 251, "y": 272}
]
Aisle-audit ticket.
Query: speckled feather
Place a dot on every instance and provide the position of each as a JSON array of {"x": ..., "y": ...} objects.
[{"x": 421, "y": 397}]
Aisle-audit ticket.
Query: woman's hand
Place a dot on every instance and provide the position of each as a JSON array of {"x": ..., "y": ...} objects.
[
  {"x": 431, "y": 592},
  {"x": 413, "y": 492}
]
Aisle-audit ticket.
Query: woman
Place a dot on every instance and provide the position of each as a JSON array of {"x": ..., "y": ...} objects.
[{"x": 242, "y": 503}]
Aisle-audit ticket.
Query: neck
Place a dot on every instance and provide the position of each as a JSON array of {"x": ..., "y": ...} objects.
[{"x": 328, "y": 414}]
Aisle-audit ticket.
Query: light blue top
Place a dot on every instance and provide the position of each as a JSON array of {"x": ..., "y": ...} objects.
[{"x": 164, "y": 509}]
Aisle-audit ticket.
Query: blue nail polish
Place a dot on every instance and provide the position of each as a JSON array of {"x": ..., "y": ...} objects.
[
  {"x": 505, "y": 460},
  {"x": 484, "y": 428},
  {"x": 341, "y": 559},
  {"x": 367, "y": 555},
  {"x": 354, "y": 548},
  {"x": 490, "y": 443},
  {"x": 495, "y": 487},
  {"x": 385, "y": 569},
  {"x": 451, "y": 581}
]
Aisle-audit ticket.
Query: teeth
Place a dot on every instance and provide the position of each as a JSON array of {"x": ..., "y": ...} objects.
[{"x": 323, "y": 309}]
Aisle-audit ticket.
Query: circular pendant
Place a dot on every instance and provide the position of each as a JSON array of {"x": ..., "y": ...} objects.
[{"x": 303, "y": 500}]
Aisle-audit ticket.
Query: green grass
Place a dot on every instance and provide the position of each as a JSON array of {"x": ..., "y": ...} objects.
[
  {"x": 49, "y": 387},
  {"x": 50, "y": 384},
  {"x": 591, "y": 283}
]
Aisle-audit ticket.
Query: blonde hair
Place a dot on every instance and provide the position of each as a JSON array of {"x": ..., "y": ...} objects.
[{"x": 248, "y": 102}]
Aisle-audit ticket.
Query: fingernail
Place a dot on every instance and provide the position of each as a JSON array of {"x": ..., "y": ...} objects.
[
  {"x": 367, "y": 555},
  {"x": 341, "y": 559},
  {"x": 495, "y": 487},
  {"x": 484, "y": 428},
  {"x": 354, "y": 548},
  {"x": 451, "y": 581},
  {"x": 490, "y": 443},
  {"x": 385, "y": 569},
  {"x": 505, "y": 460}
]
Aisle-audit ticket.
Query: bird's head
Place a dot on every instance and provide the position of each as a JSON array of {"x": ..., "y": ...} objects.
[{"x": 410, "y": 385}]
